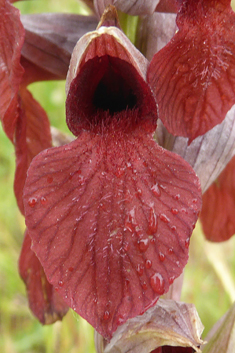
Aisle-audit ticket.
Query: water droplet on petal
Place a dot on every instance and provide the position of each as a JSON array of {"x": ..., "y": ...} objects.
[
  {"x": 186, "y": 243},
  {"x": 171, "y": 279},
  {"x": 164, "y": 218},
  {"x": 155, "y": 189},
  {"x": 140, "y": 269},
  {"x": 174, "y": 211},
  {"x": 177, "y": 197},
  {"x": 152, "y": 222},
  {"x": 148, "y": 264},
  {"x": 170, "y": 251},
  {"x": 173, "y": 228},
  {"x": 143, "y": 244},
  {"x": 32, "y": 202},
  {"x": 43, "y": 200},
  {"x": 144, "y": 285},
  {"x": 183, "y": 210},
  {"x": 60, "y": 283},
  {"x": 157, "y": 283},
  {"x": 106, "y": 315},
  {"x": 49, "y": 179},
  {"x": 161, "y": 256}
]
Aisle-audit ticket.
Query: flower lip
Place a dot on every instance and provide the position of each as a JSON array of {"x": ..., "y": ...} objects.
[
  {"x": 108, "y": 89},
  {"x": 106, "y": 85}
]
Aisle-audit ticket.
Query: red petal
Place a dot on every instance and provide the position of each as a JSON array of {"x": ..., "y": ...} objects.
[
  {"x": 11, "y": 72},
  {"x": 110, "y": 217},
  {"x": 31, "y": 137},
  {"x": 218, "y": 206},
  {"x": 193, "y": 77},
  {"x": 44, "y": 301}
]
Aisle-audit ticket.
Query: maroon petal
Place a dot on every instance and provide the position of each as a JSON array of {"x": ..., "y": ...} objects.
[
  {"x": 110, "y": 216},
  {"x": 44, "y": 301},
  {"x": 193, "y": 77},
  {"x": 31, "y": 137},
  {"x": 11, "y": 72},
  {"x": 218, "y": 206}
]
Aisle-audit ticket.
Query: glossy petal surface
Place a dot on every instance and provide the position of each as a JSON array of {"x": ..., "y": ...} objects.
[
  {"x": 44, "y": 301},
  {"x": 193, "y": 77},
  {"x": 218, "y": 208},
  {"x": 11, "y": 72},
  {"x": 110, "y": 217},
  {"x": 32, "y": 136}
]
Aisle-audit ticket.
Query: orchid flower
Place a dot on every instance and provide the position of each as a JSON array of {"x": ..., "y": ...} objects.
[{"x": 110, "y": 214}]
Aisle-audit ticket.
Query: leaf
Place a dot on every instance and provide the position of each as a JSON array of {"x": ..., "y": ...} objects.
[
  {"x": 170, "y": 325},
  {"x": 11, "y": 72},
  {"x": 223, "y": 336},
  {"x": 110, "y": 217},
  {"x": 44, "y": 301},
  {"x": 193, "y": 77},
  {"x": 208, "y": 154},
  {"x": 217, "y": 215}
]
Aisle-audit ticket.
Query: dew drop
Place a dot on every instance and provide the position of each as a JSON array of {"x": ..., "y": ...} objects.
[
  {"x": 183, "y": 210},
  {"x": 32, "y": 202},
  {"x": 152, "y": 240},
  {"x": 106, "y": 315},
  {"x": 157, "y": 283},
  {"x": 148, "y": 264},
  {"x": 174, "y": 211},
  {"x": 194, "y": 201},
  {"x": 143, "y": 244},
  {"x": 140, "y": 269},
  {"x": 186, "y": 243},
  {"x": 155, "y": 189},
  {"x": 170, "y": 251},
  {"x": 177, "y": 197},
  {"x": 171, "y": 279},
  {"x": 43, "y": 200},
  {"x": 164, "y": 218},
  {"x": 144, "y": 285},
  {"x": 152, "y": 222},
  {"x": 60, "y": 283},
  {"x": 161, "y": 256},
  {"x": 49, "y": 179},
  {"x": 173, "y": 228}
]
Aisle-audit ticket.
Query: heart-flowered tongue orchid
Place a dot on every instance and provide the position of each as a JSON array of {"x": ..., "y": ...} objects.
[{"x": 110, "y": 214}]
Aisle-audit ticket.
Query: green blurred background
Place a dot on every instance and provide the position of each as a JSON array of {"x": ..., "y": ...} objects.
[{"x": 209, "y": 276}]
